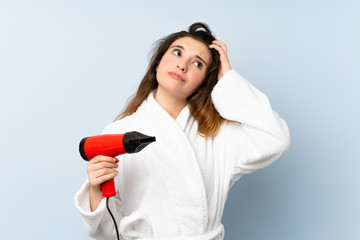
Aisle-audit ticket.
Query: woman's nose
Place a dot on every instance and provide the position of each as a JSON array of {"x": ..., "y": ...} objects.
[{"x": 182, "y": 66}]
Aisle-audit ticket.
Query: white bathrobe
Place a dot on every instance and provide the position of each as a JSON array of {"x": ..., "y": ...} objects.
[{"x": 176, "y": 187}]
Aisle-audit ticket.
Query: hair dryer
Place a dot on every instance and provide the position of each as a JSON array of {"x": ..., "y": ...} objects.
[{"x": 113, "y": 145}]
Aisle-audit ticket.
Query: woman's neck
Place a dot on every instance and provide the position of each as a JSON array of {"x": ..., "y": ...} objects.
[{"x": 172, "y": 104}]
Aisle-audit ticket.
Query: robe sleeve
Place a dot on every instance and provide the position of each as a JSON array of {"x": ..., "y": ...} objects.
[
  {"x": 255, "y": 135},
  {"x": 98, "y": 224}
]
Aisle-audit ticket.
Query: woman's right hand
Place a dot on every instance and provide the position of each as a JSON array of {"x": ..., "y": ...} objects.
[{"x": 100, "y": 169}]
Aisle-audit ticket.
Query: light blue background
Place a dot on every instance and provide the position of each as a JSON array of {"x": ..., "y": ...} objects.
[{"x": 67, "y": 68}]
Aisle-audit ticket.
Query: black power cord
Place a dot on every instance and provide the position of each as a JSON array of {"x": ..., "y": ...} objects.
[{"x": 112, "y": 216}]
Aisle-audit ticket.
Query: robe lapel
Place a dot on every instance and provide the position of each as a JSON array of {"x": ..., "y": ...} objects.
[{"x": 176, "y": 160}]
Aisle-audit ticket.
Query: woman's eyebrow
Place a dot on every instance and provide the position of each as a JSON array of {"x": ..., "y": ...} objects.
[{"x": 181, "y": 47}]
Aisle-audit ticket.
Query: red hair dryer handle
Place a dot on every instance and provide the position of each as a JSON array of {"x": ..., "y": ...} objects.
[{"x": 108, "y": 188}]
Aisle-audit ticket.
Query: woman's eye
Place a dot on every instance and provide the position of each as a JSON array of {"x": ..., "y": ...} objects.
[
  {"x": 198, "y": 64},
  {"x": 176, "y": 52}
]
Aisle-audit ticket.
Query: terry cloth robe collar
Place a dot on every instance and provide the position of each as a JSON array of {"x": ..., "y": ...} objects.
[
  {"x": 183, "y": 118},
  {"x": 178, "y": 165}
]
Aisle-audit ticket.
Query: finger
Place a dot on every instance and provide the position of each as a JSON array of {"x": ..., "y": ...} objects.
[
  {"x": 217, "y": 42},
  {"x": 102, "y": 176},
  {"x": 101, "y": 165},
  {"x": 220, "y": 44},
  {"x": 101, "y": 172},
  {"x": 100, "y": 180},
  {"x": 101, "y": 158},
  {"x": 218, "y": 48},
  {"x": 101, "y": 162}
]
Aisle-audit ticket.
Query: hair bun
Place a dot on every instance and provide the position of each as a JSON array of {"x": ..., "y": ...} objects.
[{"x": 198, "y": 26}]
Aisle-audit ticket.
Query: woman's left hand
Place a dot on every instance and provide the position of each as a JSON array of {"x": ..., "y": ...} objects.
[{"x": 225, "y": 64}]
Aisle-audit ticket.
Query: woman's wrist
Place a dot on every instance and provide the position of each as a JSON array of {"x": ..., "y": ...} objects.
[{"x": 95, "y": 196}]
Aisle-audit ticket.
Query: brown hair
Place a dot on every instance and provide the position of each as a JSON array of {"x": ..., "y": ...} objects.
[{"x": 201, "y": 107}]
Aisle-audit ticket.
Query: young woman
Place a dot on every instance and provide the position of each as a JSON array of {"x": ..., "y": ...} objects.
[{"x": 211, "y": 127}]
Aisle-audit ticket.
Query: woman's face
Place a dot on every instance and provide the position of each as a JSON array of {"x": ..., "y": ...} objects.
[{"x": 183, "y": 67}]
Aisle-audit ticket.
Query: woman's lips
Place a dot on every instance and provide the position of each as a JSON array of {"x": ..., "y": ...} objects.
[{"x": 176, "y": 76}]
